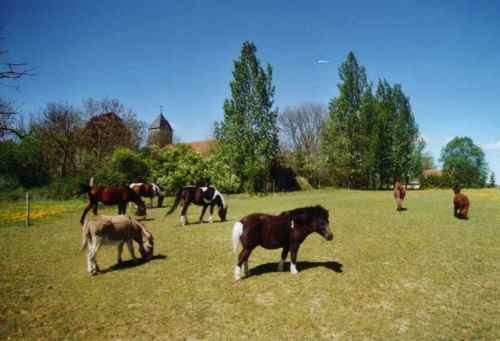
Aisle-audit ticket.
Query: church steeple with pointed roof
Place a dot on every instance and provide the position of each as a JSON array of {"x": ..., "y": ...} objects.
[{"x": 160, "y": 131}]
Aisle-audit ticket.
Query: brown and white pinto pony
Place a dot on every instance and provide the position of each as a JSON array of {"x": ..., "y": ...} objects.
[
  {"x": 121, "y": 229},
  {"x": 148, "y": 191},
  {"x": 399, "y": 195},
  {"x": 287, "y": 230},
  {"x": 202, "y": 196},
  {"x": 120, "y": 196},
  {"x": 460, "y": 204}
]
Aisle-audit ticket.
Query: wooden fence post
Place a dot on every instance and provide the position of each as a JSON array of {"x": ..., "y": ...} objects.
[{"x": 27, "y": 209}]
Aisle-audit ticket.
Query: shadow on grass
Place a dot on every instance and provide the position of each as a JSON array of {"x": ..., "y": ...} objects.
[
  {"x": 131, "y": 264},
  {"x": 301, "y": 266},
  {"x": 204, "y": 222},
  {"x": 146, "y": 219}
]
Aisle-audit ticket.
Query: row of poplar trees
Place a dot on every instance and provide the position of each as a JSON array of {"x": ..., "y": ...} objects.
[{"x": 369, "y": 139}]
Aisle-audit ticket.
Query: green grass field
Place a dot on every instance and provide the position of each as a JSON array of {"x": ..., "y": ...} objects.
[{"x": 415, "y": 275}]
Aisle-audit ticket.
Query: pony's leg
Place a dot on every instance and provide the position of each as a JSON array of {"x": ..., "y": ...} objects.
[
  {"x": 245, "y": 268},
  {"x": 294, "y": 249},
  {"x": 131, "y": 249},
  {"x": 243, "y": 258},
  {"x": 463, "y": 213},
  {"x": 94, "y": 208},
  {"x": 284, "y": 254},
  {"x": 85, "y": 211},
  {"x": 210, "y": 219},
  {"x": 91, "y": 257},
  {"x": 90, "y": 265},
  {"x": 120, "y": 250},
  {"x": 183, "y": 214},
  {"x": 203, "y": 212}
]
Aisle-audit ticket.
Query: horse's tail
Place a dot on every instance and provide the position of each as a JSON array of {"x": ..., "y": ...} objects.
[
  {"x": 176, "y": 202},
  {"x": 237, "y": 232}
]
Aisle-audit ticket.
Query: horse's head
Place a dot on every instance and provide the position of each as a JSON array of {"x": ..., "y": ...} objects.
[
  {"x": 223, "y": 212},
  {"x": 141, "y": 209},
  {"x": 321, "y": 223},
  {"x": 148, "y": 243},
  {"x": 222, "y": 205}
]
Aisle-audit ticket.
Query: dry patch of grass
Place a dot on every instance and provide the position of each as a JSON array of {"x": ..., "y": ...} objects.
[{"x": 419, "y": 274}]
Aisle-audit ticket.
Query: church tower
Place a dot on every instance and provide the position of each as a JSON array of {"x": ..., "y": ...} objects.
[{"x": 160, "y": 132}]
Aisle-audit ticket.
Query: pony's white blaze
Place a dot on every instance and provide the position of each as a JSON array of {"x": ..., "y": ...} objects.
[
  {"x": 237, "y": 232},
  {"x": 91, "y": 182}
]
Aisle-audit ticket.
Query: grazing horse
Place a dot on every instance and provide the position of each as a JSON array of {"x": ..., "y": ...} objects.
[
  {"x": 287, "y": 230},
  {"x": 120, "y": 196},
  {"x": 149, "y": 191},
  {"x": 460, "y": 203},
  {"x": 201, "y": 196},
  {"x": 399, "y": 195}
]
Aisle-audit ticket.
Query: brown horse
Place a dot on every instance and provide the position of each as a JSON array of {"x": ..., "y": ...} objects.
[
  {"x": 287, "y": 230},
  {"x": 460, "y": 204},
  {"x": 149, "y": 191},
  {"x": 201, "y": 196},
  {"x": 399, "y": 195},
  {"x": 120, "y": 196}
]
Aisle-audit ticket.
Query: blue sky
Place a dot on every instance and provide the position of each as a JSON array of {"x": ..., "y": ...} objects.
[{"x": 446, "y": 55}]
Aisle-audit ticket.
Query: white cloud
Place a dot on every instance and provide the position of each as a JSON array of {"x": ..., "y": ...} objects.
[
  {"x": 322, "y": 61},
  {"x": 492, "y": 146}
]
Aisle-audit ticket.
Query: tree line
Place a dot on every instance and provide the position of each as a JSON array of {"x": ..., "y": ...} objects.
[{"x": 366, "y": 138}]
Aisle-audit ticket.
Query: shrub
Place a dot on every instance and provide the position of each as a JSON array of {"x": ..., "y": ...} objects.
[
  {"x": 109, "y": 177},
  {"x": 129, "y": 165},
  {"x": 178, "y": 166},
  {"x": 221, "y": 175}
]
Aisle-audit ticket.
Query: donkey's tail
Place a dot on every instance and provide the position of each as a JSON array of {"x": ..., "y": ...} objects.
[
  {"x": 85, "y": 235},
  {"x": 176, "y": 203},
  {"x": 237, "y": 232}
]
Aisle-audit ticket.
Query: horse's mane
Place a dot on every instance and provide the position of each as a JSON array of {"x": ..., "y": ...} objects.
[{"x": 317, "y": 210}]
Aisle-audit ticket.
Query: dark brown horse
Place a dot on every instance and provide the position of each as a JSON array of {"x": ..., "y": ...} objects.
[
  {"x": 287, "y": 230},
  {"x": 120, "y": 196},
  {"x": 399, "y": 195},
  {"x": 201, "y": 196},
  {"x": 148, "y": 191},
  {"x": 460, "y": 204}
]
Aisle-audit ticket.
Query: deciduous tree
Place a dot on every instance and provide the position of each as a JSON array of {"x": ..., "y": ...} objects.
[
  {"x": 464, "y": 161},
  {"x": 248, "y": 135}
]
